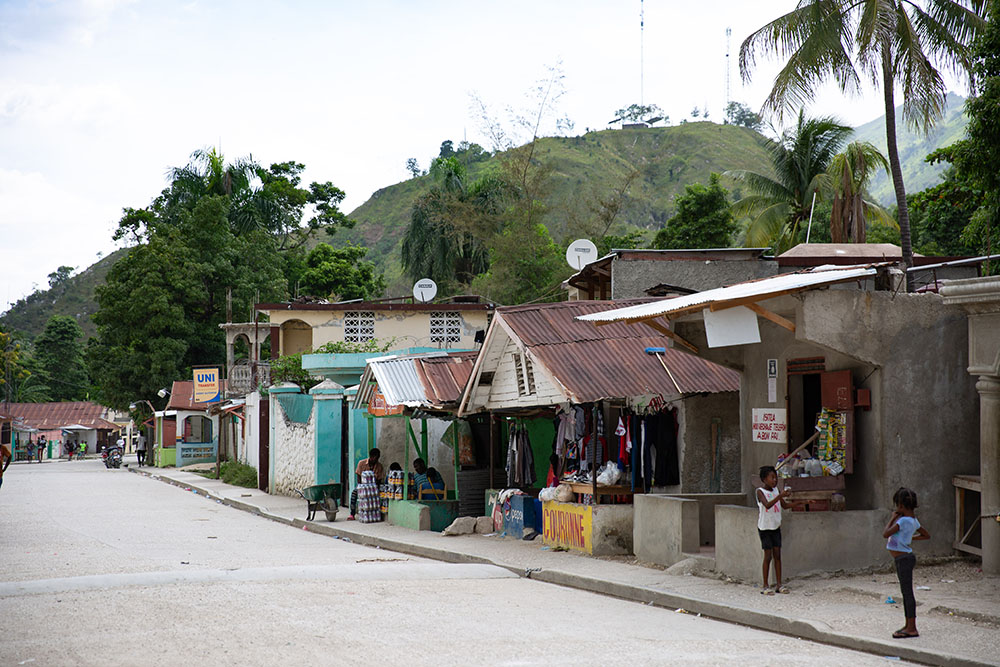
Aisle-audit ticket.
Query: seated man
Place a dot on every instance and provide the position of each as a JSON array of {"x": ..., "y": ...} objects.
[{"x": 428, "y": 481}]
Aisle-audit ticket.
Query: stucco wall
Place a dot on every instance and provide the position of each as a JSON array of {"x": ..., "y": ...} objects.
[
  {"x": 630, "y": 278},
  {"x": 408, "y": 329},
  {"x": 664, "y": 528},
  {"x": 927, "y": 429},
  {"x": 292, "y": 451},
  {"x": 250, "y": 445},
  {"x": 910, "y": 350},
  {"x": 612, "y": 529},
  {"x": 696, "y": 450},
  {"x": 810, "y": 542}
]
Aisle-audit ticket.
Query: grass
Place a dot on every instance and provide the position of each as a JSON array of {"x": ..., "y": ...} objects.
[{"x": 235, "y": 473}]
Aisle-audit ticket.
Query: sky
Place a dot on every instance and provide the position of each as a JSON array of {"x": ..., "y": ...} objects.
[{"x": 99, "y": 98}]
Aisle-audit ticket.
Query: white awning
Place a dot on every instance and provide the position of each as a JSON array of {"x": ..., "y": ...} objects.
[{"x": 734, "y": 295}]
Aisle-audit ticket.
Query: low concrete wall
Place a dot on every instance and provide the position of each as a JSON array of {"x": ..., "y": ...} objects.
[
  {"x": 664, "y": 528},
  {"x": 612, "y": 530},
  {"x": 409, "y": 514},
  {"x": 706, "y": 512},
  {"x": 811, "y": 541}
]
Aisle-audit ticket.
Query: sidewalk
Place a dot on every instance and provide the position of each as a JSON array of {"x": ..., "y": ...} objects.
[{"x": 958, "y": 617}]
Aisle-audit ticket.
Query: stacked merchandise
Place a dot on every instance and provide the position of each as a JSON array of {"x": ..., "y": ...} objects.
[
  {"x": 832, "y": 447},
  {"x": 369, "y": 510},
  {"x": 383, "y": 497},
  {"x": 395, "y": 486}
]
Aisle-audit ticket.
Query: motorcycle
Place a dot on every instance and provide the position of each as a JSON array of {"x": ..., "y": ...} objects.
[{"x": 112, "y": 457}]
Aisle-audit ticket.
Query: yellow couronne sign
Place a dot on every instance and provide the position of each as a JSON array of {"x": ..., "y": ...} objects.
[
  {"x": 568, "y": 525},
  {"x": 207, "y": 386}
]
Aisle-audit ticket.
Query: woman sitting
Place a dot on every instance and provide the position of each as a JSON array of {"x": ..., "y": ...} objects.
[{"x": 428, "y": 481}]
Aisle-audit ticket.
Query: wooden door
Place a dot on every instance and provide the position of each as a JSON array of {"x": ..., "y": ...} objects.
[{"x": 264, "y": 445}]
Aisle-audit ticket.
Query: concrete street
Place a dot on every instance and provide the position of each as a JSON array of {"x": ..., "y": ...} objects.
[{"x": 107, "y": 567}]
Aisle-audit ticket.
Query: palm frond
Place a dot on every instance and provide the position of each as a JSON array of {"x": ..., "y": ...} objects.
[{"x": 765, "y": 228}]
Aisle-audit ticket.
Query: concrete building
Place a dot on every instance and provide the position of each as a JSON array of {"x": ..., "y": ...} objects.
[
  {"x": 894, "y": 365},
  {"x": 980, "y": 298},
  {"x": 303, "y": 327}
]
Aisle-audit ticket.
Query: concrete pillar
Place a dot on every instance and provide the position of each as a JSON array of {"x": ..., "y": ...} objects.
[
  {"x": 989, "y": 469},
  {"x": 328, "y": 402}
]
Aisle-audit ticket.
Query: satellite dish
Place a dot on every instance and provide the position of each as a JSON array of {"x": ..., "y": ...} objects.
[
  {"x": 580, "y": 253},
  {"x": 424, "y": 290}
]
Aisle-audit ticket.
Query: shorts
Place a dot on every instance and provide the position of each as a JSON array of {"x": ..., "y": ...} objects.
[{"x": 770, "y": 539}]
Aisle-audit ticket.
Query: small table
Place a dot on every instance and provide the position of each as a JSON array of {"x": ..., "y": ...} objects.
[{"x": 615, "y": 490}]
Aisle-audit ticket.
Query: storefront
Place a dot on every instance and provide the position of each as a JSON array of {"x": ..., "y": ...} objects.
[
  {"x": 607, "y": 410},
  {"x": 867, "y": 371}
]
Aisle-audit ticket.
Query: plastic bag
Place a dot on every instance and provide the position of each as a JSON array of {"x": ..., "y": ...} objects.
[
  {"x": 548, "y": 493},
  {"x": 564, "y": 493},
  {"x": 608, "y": 474}
]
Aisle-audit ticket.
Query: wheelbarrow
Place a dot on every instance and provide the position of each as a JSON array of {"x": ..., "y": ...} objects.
[{"x": 321, "y": 497}]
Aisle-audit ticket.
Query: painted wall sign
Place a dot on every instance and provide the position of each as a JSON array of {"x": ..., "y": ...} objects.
[
  {"x": 769, "y": 425},
  {"x": 568, "y": 525},
  {"x": 378, "y": 407},
  {"x": 207, "y": 386}
]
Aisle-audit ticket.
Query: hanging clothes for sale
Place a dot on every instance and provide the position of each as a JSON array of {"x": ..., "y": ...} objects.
[
  {"x": 520, "y": 460},
  {"x": 565, "y": 432}
]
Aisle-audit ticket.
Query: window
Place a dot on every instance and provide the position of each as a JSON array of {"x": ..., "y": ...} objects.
[
  {"x": 525, "y": 375},
  {"x": 445, "y": 327},
  {"x": 359, "y": 326}
]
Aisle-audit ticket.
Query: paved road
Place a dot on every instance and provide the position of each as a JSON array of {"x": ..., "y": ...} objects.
[{"x": 106, "y": 567}]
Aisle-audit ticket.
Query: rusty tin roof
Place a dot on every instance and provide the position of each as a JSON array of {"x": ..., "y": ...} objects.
[
  {"x": 594, "y": 363},
  {"x": 52, "y": 416}
]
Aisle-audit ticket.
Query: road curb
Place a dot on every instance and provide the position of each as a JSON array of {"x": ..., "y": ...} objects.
[{"x": 801, "y": 629}]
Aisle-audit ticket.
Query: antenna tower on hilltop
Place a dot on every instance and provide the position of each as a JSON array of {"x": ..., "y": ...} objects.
[
  {"x": 642, "y": 30},
  {"x": 729, "y": 33}
]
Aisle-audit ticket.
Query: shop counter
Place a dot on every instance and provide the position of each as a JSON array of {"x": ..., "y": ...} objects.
[
  {"x": 599, "y": 530},
  {"x": 616, "y": 490}
]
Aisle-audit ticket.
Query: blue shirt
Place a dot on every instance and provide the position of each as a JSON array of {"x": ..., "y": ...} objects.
[{"x": 900, "y": 540}]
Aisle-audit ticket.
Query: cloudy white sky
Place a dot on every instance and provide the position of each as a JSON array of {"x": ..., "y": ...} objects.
[{"x": 98, "y": 98}]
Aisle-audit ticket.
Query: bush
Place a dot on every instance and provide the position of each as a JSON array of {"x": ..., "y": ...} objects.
[{"x": 239, "y": 474}]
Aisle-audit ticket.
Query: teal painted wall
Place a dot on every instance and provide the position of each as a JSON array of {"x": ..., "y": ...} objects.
[
  {"x": 297, "y": 407},
  {"x": 327, "y": 413}
]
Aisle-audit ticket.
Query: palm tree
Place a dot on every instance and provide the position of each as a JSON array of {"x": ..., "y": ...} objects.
[
  {"x": 890, "y": 42},
  {"x": 848, "y": 177},
  {"x": 779, "y": 203}
]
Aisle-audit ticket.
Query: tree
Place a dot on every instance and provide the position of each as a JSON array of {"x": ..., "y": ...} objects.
[
  {"x": 341, "y": 273},
  {"x": 849, "y": 174},
  {"x": 257, "y": 199},
  {"x": 60, "y": 275},
  {"x": 741, "y": 114},
  {"x": 59, "y": 350},
  {"x": 449, "y": 226},
  {"x": 977, "y": 156},
  {"x": 161, "y": 304},
  {"x": 412, "y": 167},
  {"x": 447, "y": 149},
  {"x": 779, "y": 203},
  {"x": 890, "y": 42},
  {"x": 649, "y": 114},
  {"x": 941, "y": 213},
  {"x": 703, "y": 219}
]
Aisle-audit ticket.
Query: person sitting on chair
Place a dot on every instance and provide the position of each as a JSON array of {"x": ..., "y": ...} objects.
[{"x": 427, "y": 481}]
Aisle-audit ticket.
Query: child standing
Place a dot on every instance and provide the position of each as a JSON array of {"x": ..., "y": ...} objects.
[
  {"x": 902, "y": 528},
  {"x": 769, "y": 503}
]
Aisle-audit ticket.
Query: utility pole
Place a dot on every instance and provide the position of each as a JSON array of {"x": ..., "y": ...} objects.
[
  {"x": 642, "y": 30},
  {"x": 729, "y": 34}
]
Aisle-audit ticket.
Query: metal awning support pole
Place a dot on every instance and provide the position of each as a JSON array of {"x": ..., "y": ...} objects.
[
  {"x": 593, "y": 455},
  {"x": 423, "y": 440},
  {"x": 406, "y": 457},
  {"x": 454, "y": 444},
  {"x": 493, "y": 445}
]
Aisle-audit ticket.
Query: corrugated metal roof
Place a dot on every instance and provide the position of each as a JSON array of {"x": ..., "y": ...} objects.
[
  {"x": 429, "y": 381},
  {"x": 444, "y": 378},
  {"x": 756, "y": 290},
  {"x": 595, "y": 363},
  {"x": 51, "y": 416}
]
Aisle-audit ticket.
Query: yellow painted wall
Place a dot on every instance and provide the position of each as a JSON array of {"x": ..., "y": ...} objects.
[{"x": 408, "y": 328}]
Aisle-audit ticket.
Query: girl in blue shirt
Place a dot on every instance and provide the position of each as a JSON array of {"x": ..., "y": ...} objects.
[{"x": 902, "y": 528}]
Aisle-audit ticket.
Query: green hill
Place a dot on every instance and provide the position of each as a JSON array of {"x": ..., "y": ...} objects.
[
  {"x": 914, "y": 147},
  {"x": 74, "y": 297},
  {"x": 583, "y": 168}
]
